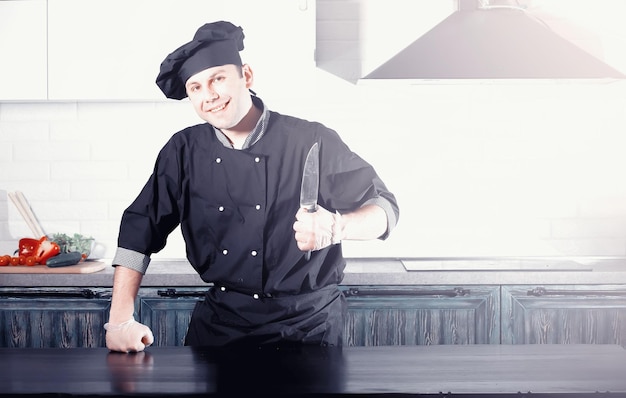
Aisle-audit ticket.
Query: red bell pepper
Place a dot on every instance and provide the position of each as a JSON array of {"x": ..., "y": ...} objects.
[{"x": 41, "y": 249}]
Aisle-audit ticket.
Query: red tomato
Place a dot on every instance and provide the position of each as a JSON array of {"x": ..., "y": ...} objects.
[
  {"x": 5, "y": 260},
  {"x": 31, "y": 260},
  {"x": 15, "y": 261}
]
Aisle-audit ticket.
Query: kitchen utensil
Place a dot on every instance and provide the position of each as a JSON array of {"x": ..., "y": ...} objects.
[
  {"x": 310, "y": 183},
  {"x": 19, "y": 200}
]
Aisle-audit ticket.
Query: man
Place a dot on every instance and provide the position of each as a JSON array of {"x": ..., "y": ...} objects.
[{"x": 233, "y": 185}]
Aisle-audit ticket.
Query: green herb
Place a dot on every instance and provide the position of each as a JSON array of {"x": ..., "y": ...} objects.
[{"x": 75, "y": 243}]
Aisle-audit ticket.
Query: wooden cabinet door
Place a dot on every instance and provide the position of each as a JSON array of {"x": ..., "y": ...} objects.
[
  {"x": 422, "y": 315},
  {"x": 46, "y": 317},
  {"x": 167, "y": 312},
  {"x": 23, "y": 68},
  {"x": 564, "y": 314}
]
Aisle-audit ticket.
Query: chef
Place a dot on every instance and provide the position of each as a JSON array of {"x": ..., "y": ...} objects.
[{"x": 233, "y": 185}]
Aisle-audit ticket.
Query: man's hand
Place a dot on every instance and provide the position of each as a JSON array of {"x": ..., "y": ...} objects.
[
  {"x": 315, "y": 231},
  {"x": 129, "y": 336}
]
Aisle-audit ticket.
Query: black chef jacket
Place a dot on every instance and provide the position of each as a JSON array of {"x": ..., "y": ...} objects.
[{"x": 236, "y": 209}]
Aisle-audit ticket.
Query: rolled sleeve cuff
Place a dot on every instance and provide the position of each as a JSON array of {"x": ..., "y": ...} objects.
[
  {"x": 131, "y": 259},
  {"x": 392, "y": 220}
]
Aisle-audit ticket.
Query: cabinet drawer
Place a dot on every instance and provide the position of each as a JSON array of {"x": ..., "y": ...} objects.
[
  {"x": 564, "y": 314},
  {"x": 422, "y": 315},
  {"x": 167, "y": 311},
  {"x": 47, "y": 317}
]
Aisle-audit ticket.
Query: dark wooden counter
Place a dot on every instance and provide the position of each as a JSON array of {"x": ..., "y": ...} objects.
[{"x": 468, "y": 370}]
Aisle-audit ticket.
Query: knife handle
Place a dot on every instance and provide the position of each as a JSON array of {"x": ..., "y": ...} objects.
[{"x": 311, "y": 209}]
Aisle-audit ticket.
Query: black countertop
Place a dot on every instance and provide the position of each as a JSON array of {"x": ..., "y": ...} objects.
[{"x": 449, "y": 370}]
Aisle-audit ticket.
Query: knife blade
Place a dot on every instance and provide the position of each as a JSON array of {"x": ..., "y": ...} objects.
[{"x": 310, "y": 183}]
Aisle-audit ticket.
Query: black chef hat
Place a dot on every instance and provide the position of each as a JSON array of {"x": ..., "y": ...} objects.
[{"x": 214, "y": 44}]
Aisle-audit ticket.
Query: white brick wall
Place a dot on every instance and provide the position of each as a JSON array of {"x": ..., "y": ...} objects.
[
  {"x": 79, "y": 164},
  {"x": 478, "y": 170}
]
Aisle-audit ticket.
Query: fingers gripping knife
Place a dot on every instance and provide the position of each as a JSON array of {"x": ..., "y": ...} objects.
[{"x": 310, "y": 183}]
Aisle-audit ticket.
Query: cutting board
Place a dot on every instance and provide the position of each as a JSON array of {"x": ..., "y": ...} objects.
[{"x": 84, "y": 267}]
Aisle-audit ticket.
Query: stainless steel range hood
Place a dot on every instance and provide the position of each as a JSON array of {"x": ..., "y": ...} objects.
[{"x": 493, "y": 43}]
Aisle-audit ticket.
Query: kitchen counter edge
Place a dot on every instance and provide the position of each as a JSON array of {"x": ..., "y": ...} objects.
[{"x": 369, "y": 271}]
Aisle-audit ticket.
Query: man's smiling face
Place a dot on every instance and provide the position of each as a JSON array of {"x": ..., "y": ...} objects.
[{"x": 220, "y": 94}]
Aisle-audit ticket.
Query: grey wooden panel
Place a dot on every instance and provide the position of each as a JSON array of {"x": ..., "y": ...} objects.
[
  {"x": 564, "y": 314},
  {"x": 418, "y": 315},
  {"x": 168, "y": 312},
  {"x": 54, "y": 318}
]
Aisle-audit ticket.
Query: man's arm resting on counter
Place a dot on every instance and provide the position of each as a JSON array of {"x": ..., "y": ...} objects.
[
  {"x": 124, "y": 334},
  {"x": 126, "y": 284}
]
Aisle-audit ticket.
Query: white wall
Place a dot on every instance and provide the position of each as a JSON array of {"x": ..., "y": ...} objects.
[{"x": 479, "y": 169}]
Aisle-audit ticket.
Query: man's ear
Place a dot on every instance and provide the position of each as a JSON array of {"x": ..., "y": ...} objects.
[{"x": 247, "y": 73}]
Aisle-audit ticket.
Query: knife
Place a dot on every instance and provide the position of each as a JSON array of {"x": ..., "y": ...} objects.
[{"x": 310, "y": 183}]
